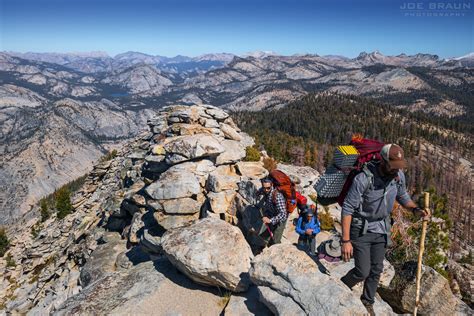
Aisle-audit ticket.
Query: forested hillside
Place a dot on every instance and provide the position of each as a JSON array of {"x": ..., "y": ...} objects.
[{"x": 439, "y": 151}]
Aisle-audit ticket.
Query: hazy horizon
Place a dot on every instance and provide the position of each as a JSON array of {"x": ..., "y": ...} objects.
[
  {"x": 194, "y": 28},
  {"x": 102, "y": 52}
]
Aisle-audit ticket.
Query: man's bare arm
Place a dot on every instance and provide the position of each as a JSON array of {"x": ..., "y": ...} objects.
[{"x": 346, "y": 247}]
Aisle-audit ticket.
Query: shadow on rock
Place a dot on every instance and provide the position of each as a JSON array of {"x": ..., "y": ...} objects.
[
  {"x": 165, "y": 267},
  {"x": 137, "y": 256}
]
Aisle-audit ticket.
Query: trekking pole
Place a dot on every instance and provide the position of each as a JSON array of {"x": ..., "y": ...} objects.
[
  {"x": 420, "y": 253},
  {"x": 269, "y": 231},
  {"x": 268, "y": 227}
]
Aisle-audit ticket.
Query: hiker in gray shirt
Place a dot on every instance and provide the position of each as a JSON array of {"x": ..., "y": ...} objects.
[{"x": 366, "y": 219}]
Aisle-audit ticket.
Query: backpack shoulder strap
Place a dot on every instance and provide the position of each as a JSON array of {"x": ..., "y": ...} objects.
[{"x": 370, "y": 177}]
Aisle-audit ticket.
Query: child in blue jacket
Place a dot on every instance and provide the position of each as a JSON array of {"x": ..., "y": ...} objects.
[{"x": 308, "y": 227}]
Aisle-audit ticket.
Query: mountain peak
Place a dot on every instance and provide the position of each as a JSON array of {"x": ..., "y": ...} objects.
[
  {"x": 92, "y": 54},
  {"x": 260, "y": 54},
  {"x": 467, "y": 56},
  {"x": 130, "y": 54},
  {"x": 377, "y": 53},
  {"x": 223, "y": 57},
  {"x": 370, "y": 56}
]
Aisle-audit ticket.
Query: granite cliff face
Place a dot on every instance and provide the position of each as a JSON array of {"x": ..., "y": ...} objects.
[
  {"x": 178, "y": 197},
  {"x": 46, "y": 144}
]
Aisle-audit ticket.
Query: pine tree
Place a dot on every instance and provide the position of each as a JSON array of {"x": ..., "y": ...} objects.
[
  {"x": 44, "y": 210},
  {"x": 4, "y": 242},
  {"x": 63, "y": 202}
]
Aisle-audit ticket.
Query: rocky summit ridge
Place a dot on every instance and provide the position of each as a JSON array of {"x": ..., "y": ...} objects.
[
  {"x": 163, "y": 228},
  {"x": 70, "y": 99}
]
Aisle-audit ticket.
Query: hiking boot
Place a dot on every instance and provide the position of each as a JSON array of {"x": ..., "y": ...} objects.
[
  {"x": 369, "y": 307},
  {"x": 344, "y": 280}
]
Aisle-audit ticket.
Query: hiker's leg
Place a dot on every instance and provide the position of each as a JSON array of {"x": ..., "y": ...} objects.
[
  {"x": 278, "y": 232},
  {"x": 307, "y": 244},
  {"x": 301, "y": 240},
  {"x": 377, "y": 254},
  {"x": 265, "y": 236},
  {"x": 361, "y": 249},
  {"x": 312, "y": 247},
  {"x": 301, "y": 243}
]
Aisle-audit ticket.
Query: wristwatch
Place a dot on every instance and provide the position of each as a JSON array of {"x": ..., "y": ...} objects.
[
  {"x": 415, "y": 209},
  {"x": 345, "y": 241}
]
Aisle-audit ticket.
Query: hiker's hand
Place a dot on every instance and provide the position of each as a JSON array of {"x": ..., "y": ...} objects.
[
  {"x": 266, "y": 220},
  {"x": 422, "y": 213},
  {"x": 309, "y": 231},
  {"x": 346, "y": 251}
]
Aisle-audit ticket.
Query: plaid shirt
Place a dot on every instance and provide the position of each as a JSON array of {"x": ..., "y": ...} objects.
[{"x": 275, "y": 211}]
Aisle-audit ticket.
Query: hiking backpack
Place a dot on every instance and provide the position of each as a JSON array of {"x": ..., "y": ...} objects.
[
  {"x": 301, "y": 200},
  {"x": 348, "y": 161},
  {"x": 285, "y": 186}
]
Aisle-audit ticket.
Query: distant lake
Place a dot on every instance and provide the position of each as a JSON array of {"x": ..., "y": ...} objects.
[{"x": 120, "y": 94}]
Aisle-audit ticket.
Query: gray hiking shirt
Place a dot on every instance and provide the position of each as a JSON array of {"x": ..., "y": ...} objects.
[{"x": 375, "y": 201}]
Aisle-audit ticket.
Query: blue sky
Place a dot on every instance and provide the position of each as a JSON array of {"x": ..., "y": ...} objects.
[{"x": 194, "y": 27}]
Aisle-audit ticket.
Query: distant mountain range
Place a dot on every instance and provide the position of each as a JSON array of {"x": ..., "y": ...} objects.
[
  {"x": 101, "y": 61},
  {"x": 60, "y": 112}
]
